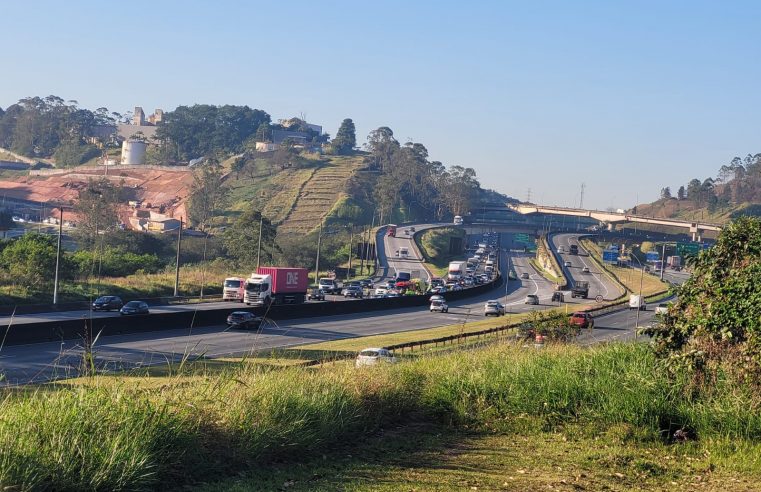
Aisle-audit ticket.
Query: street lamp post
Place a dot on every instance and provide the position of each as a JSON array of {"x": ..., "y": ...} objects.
[
  {"x": 58, "y": 258},
  {"x": 641, "y": 279}
]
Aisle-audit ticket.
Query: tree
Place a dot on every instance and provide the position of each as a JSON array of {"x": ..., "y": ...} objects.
[
  {"x": 713, "y": 325},
  {"x": 241, "y": 239},
  {"x": 681, "y": 194},
  {"x": 208, "y": 194},
  {"x": 346, "y": 138},
  {"x": 6, "y": 221},
  {"x": 693, "y": 189},
  {"x": 96, "y": 209},
  {"x": 666, "y": 192},
  {"x": 30, "y": 260}
]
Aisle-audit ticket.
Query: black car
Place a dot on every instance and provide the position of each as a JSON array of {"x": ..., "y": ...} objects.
[
  {"x": 107, "y": 303},
  {"x": 134, "y": 307},
  {"x": 353, "y": 291},
  {"x": 316, "y": 295},
  {"x": 243, "y": 319},
  {"x": 366, "y": 283}
]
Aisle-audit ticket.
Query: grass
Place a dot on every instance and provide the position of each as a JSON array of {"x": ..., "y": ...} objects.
[
  {"x": 467, "y": 418},
  {"x": 544, "y": 273},
  {"x": 434, "y": 245},
  {"x": 629, "y": 278}
]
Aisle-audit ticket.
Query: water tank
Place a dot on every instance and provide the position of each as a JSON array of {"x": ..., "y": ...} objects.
[{"x": 133, "y": 152}]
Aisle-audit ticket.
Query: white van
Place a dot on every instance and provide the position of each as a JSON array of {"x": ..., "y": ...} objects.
[
  {"x": 637, "y": 302},
  {"x": 457, "y": 220}
]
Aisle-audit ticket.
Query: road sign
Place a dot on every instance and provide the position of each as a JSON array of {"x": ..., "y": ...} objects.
[
  {"x": 599, "y": 299},
  {"x": 610, "y": 256},
  {"x": 652, "y": 256},
  {"x": 522, "y": 238},
  {"x": 688, "y": 248}
]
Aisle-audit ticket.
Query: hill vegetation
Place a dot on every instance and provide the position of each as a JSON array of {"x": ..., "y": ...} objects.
[{"x": 734, "y": 192}]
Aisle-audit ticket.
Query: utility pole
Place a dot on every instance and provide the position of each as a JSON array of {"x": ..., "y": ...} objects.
[
  {"x": 663, "y": 260},
  {"x": 351, "y": 241},
  {"x": 58, "y": 258},
  {"x": 317, "y": 263},
  {"x": 528, "y": 196},
  {"x": 177, "y": 264},
  {"x": 259, "y": 247}
]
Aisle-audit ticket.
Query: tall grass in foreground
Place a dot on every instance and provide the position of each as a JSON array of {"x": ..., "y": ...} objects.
[{"x": 108, "y": 435}]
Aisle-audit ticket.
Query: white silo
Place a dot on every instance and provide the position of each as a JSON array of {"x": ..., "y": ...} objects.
[{"x": 133, "y": 152}]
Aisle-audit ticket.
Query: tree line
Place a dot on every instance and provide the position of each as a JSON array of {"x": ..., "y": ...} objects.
[{"x": 736, "y": 183}]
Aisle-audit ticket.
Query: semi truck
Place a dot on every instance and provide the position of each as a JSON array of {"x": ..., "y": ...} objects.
[
  {"x": 276, "y": 285},
  {"x": 391, "y": 230},
  {"x": 580, "y": 289},
  {"x": 233, "y": 289},
  {"x": 456, "y": 270}
]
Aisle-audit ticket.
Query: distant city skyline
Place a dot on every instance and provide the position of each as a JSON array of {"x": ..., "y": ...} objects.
[{"x": 625, "y": 98}]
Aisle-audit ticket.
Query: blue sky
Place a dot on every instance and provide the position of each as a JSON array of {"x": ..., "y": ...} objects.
[{"x": 625, "y": 97}]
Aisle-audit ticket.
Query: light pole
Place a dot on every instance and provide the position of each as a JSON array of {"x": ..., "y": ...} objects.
[
  {"x": 58, "y": 258},
  {"x": 177, "y": 263},
  {"x": 317, "y": 262},
  {"x": 259, "y": 247},
  {"x": 641, "y": 279}
]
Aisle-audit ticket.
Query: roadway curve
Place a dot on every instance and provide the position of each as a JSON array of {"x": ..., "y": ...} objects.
[
  {"x": 599, "y": 283},
  {"x": 44, "y": 361}
]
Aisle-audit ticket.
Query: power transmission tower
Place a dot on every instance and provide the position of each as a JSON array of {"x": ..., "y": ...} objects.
[
  {"x": 581, "y": 198},
  {"x": 528, "y": 196}
]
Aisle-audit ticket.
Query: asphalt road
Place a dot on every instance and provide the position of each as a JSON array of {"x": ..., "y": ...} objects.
[
  {"x": 44, "y": 361},
  {"x": 599, "y": 283}
]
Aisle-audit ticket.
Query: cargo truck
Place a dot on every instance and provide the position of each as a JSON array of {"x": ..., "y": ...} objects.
[
  {"x": 573, "y": 249},
  {"x": 580, "y": 289},
  {"x": 674, "y": 261},
  {"x": 391, "y": 230},
  {"x": 276, "y": 285},
  {"x": 456, "y": 270},
  {"x": 233, "y": 289}
]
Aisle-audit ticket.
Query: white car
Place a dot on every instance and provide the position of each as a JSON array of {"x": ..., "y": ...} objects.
[
  {"x": 494, "y": 308},
  {"x": 374, "y": 356},
  {"x": 662, "y": 309},
  {"x": 439, "y": 305},
  {"x": 381, "y": 291},
  {"x": 567, "y": 263},
  {"x": 585, "y": 270}
]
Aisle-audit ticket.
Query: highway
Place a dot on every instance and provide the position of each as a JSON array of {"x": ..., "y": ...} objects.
[
  {"x": 599, "y": 283},
  {"x": 44, "y": 361}
]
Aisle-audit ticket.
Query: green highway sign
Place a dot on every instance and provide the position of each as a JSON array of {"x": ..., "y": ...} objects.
[
  {"x": 522, "y": 238},
  {"x": 688, "y": 248}
]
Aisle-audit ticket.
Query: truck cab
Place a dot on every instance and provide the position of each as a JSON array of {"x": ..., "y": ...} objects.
[
  {"x": 573, "y": 249},
  {"x": 329, "y": 286},
  {"x": 233, "y": 289},
  {"x": 258, "y": 290},
  {"x": 580, "y": 289}
]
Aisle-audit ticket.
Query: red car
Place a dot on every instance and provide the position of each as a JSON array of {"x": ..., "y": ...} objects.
[{"x": 582, "y": 320}]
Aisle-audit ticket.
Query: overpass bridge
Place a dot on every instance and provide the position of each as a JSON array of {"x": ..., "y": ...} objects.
[{"x": 697, "y": 228}]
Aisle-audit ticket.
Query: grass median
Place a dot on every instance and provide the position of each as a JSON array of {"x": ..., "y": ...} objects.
[{"x": 630, "y": 278}]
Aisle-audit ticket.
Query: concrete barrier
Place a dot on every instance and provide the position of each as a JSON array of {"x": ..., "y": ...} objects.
[{"x": 72, "y": 329}]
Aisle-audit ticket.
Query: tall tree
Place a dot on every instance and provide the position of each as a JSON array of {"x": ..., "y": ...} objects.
[
  {"x": 241, "y": 239},
  {"x": 681, "y": 193},
  {"x": 96, "y": 210},
  {"x": 208, "y": 194},
  {"x": 666, "y": 192},
  {"x": 346, "y": 138}
]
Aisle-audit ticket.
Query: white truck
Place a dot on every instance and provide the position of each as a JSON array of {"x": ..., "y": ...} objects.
[
  {"x": 233, "y": 289},
  {"x": 456, "y": 270},
  {"x": 637, "y": 302}
]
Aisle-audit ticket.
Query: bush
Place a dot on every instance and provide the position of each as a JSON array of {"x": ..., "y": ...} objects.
[{"x": 115, "y": 263}]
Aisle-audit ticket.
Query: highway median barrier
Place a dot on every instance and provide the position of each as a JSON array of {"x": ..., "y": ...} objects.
[{"x": 183, "y": 320}]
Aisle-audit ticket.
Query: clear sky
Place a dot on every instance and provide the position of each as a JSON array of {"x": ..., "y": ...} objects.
[{"x": 626, "y": 97}]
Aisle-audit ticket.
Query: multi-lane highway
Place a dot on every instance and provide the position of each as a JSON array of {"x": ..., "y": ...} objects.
[
  {"x": 40, "y": 362},
  {"x": 599, "y": 283}
]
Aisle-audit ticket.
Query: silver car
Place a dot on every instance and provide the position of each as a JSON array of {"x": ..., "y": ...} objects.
[
  {"x": 374, "y": 356},
  {"x": 494, "y": 308}
]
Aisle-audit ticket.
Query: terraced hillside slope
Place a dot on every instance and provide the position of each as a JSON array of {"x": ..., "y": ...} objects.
[{"x": 325, "y": 189}]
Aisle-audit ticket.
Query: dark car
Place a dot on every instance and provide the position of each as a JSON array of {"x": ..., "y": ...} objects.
[
  {"x": 366, "y": 283},
  {"x": 107, "y": 303},
  {"x": 243, "y": 319},
  {"x": 316, "y": 295},
  {"x": 353, "y": 291},
  {"x": 134, "y": 307}
]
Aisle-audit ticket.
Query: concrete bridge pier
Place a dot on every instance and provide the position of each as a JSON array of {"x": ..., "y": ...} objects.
[{"x": 697, "y": 233}]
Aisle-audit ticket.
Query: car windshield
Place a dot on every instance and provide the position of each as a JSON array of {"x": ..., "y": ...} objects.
[
  {"x": 437, "y": 302},
  {"x": 578, "y": 315},
  {"x": 135, "y": 304},
  {"x": 232, "y": 283},
  {"x": 104, "y": 299},
  {"x": 369, "y": 353},
  {"x": 325, "y": 281}
]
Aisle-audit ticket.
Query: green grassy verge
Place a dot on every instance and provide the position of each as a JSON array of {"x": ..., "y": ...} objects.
[
  {"x": 105, "y": 434},
  {"x": 627, "y": 278},
  {"x": 544, "y": 273},
  {"x": 434, "y": 245}
]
